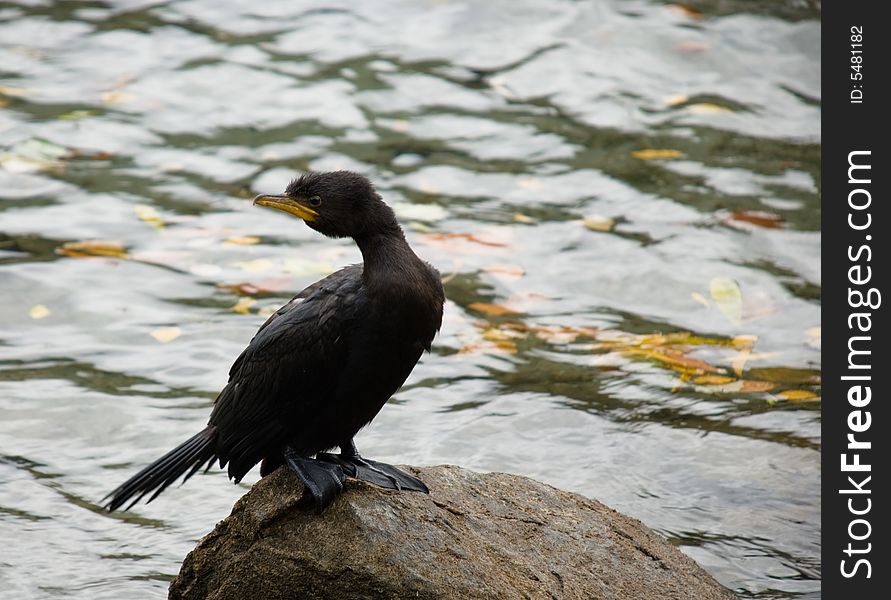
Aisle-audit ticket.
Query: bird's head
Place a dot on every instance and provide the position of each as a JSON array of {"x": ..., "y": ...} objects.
[{"x": 336, "y": 203}]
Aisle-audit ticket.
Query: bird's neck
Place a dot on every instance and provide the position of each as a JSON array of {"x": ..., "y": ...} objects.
[{"x": 387, "y": 258}]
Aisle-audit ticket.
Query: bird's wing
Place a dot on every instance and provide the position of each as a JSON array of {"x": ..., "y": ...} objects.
[
  {"x": 290, "y": 366},
  {"x": 335, "y": 280}
]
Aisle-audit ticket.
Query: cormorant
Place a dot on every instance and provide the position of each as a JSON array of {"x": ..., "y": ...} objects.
[{"x": 321, "y": 367}]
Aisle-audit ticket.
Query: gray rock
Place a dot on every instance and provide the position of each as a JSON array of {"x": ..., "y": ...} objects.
[{"x": 475, "y": 536}]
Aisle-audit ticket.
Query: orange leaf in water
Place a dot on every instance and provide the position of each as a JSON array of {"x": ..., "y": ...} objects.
[
  {"x": 753, "y": 385},
  {"x": 264, "y": 286},
  {"x": 712, "y": 379},
  {"x": 494, "y": 310},
  {"x": 797, "y": 395},
  {"x": 688, "y": 11},
  {"x": 91, "y": 248},
  {"x": 760, "y": 218},
  {"x": 674, "y": 359},
  {"x": 656, "y": 153}
]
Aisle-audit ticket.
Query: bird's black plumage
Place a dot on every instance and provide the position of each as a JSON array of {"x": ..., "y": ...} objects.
[{"x": 323, "y": 365}]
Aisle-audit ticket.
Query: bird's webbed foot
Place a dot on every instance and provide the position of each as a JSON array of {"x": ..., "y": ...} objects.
[
  {"x": 372, "y": 471},
  {"x": 322, "y": 480}
]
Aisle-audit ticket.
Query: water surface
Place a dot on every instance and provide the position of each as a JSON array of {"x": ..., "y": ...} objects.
[{"x": 622, "y": 197}]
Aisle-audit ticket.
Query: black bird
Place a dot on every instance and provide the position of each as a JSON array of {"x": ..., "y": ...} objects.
[{"x": 321, "y": 367}]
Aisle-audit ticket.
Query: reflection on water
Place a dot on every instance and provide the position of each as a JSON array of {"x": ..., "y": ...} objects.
[{"x": 622, "y": 198}]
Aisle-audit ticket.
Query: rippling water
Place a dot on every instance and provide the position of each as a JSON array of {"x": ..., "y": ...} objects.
[{"x": 622, "y": 196}]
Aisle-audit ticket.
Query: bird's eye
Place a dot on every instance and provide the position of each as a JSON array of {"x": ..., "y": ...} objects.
[{"x": 314, "y": 201}]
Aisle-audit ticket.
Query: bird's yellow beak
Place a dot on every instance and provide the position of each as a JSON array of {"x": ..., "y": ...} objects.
[{"x": 288, "y": 205}]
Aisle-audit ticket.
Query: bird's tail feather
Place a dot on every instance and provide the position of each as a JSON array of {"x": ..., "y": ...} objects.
[{"x": 189, "y": 456}]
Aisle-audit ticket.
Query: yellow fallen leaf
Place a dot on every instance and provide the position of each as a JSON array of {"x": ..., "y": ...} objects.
[
  {"x": 673, "y": 359},
  {"x": 244, "y": 240},
  {"x": 166, "y": 334},
  {"x": 149, "y": 215},
  {"x": 243, "y": 305},
  {"x": 39, "y": 311},
  {"x": 598, "y": 223},
  {"x": 525, "y": 219},
  {"x": 675, "y": 99},
  {"x": 712, "y": 379},
  {"x": 656, "y": 153},
  {"x": 797, "y": 395},
  {"x": 707, "y": 108},
  {"x": 727, "y": 295},
  {"x": 495, "y": 310},
  {"x": 88, "y": 248}
]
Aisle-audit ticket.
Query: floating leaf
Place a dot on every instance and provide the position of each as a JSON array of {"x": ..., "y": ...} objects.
[
  {"x": 712, "y": 379},
  {"x": 38, "y": 311},
  {"x": 674, "y": 359},
  {"x": 752, "y": 385},
  {"x": 266, "y": 286},
  {"x": 598, "y": 223},
  {"x": 760, "y": 218},
  {"x": 93, "y": 248},
  {"x": 707, "y": 108},
  {"x": 243, "y": 306},
  {"x": 656, "y": 153},
  {"x": 686, "y": 10},
  {"x": 675, "y": 99},
  {"x": 149, "y": 215},
  {"x": 494, "y": 310},
  {"x": 788, "y": 376},
  {"x": 244, "y": 240},
  {"x": 76, "y": 115},
  {"x": 166, "y": 334},
  {"x": 727, "y": 295},
  {"x": 797, "y": 395}
]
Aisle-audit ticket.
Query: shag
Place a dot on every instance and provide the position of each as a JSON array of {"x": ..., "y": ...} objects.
[{"x": 323, "y": 365}]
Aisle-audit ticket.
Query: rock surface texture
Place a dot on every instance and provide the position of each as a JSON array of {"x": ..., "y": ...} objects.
[{"x": 475, "y": 536}]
